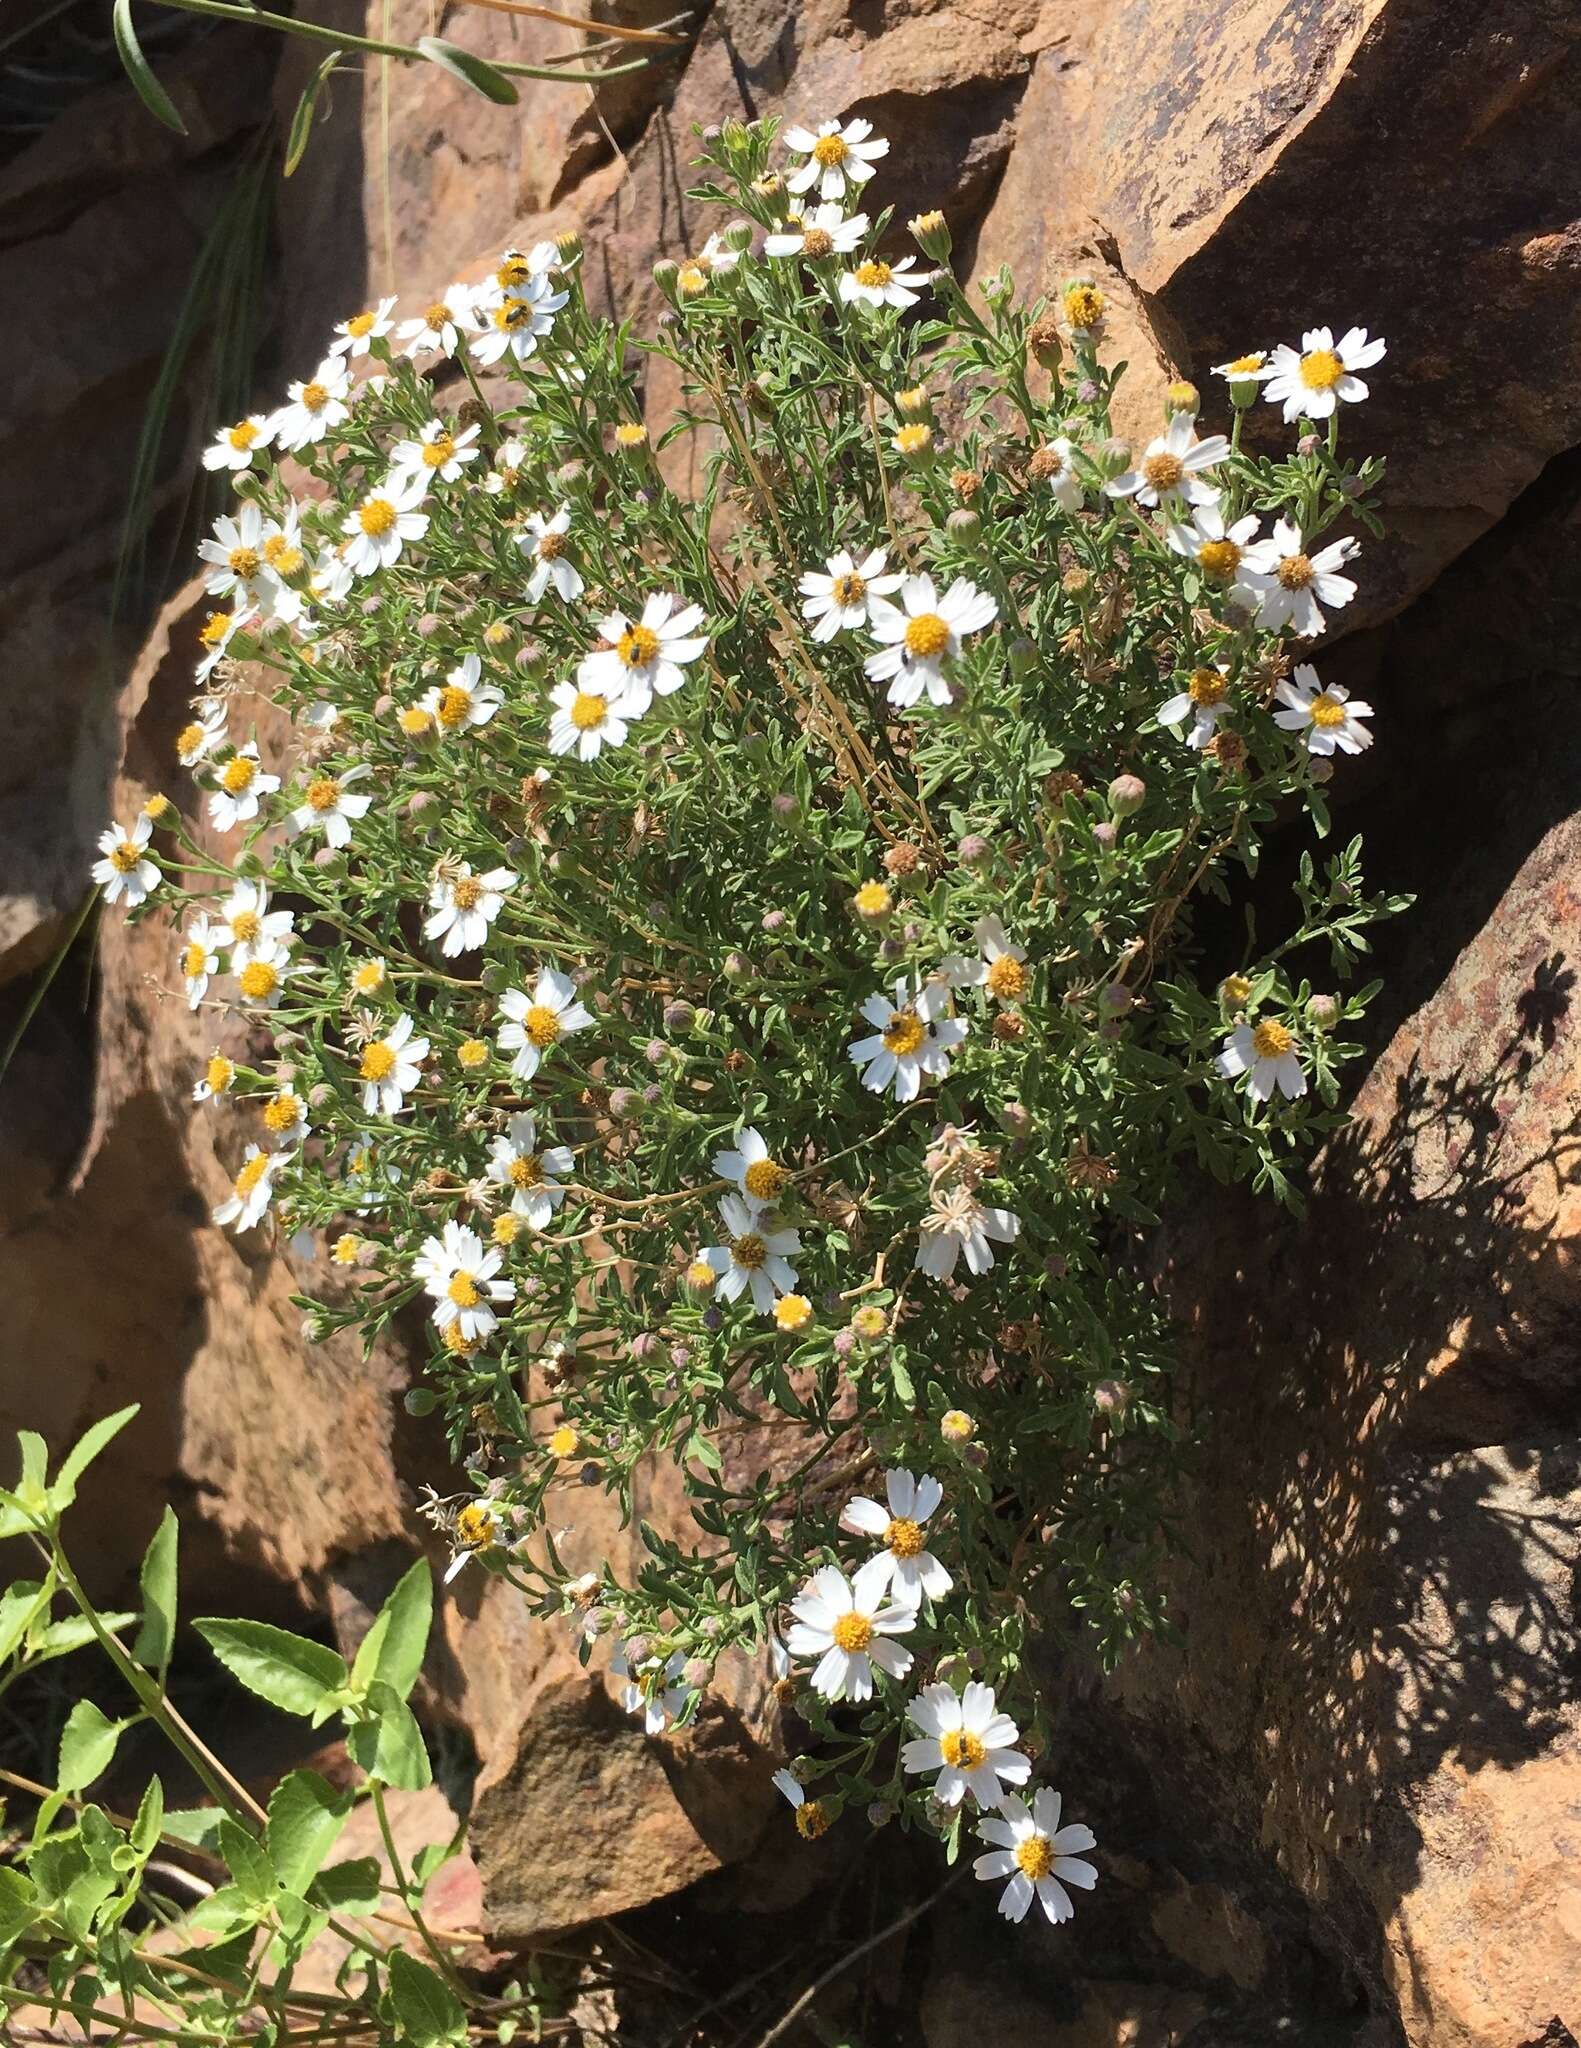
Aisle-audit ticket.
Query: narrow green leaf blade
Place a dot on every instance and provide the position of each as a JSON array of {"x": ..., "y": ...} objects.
[
  {"x": 148, "y": 88},
  {"x": 302, "y": 120},
  {"x": 158, "y": 1580},
  {"x": 392, "y": 1650},
  {"x": 288, "y": 1671},
  {"x": 471, "y": 70}
]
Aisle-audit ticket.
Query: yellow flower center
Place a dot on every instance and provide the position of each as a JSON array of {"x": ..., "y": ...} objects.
[
  {"x": 251, "y": 1174},
  {"x": 1321, "y": 370},
  {"x": 238, "y": 773},
  {"x": 437, "y": 453},
  {"x": 962, "y": 1749},
  {"x": 691, "y": 281},
  {"x": 915, "y": 438},
  {"x": 242, "y": 435},
  {"x": 1271, "y": 1041},
  {"x": 463, "y": 1291},
  {"x": 852, "y": 1631},
  {"x": 194, "y": 961},
  {"x": 456, "y": 1341},
  {"x": 124, "y": 856},
  {"x": 700, "y": 1274},
  {"x": 630, "y": 434},
  {"x": 811, "y": 1820},
  {"x": 927, "y": 635},
  {"x": 218, "y": 1074},
  {"x": 475, "y": 1526},
  {"x": 345, "y": 1249},
  {"x": 511, "y": 313},
  {"x": 1083, "y": 305},
  {"x": 245, "y": 927},
  {"x": 467, "y": 892},
  {"x": 1245, "y": 363},
  {"x": 437, "y": 316},
  {"x": 564, "y": 1441},
  {"x": 243, "y": 562},
  {"x": 281, "y": 1113},
  {"x": 471, "y": 1053},
  {"x": 1207, "y": 687},
  {"x": 793, "y": 1311},
  {"x": 360, "y": 324},
  {"x": 525, "y": 1172},
  {"x": 874, "y": 273},
  {"x": 903, "y": 1033},
  {"x": 542, "y": 1025},
  {"x": 281, "y": 556},
  {"x": 588, "y": 710},
  {"x": 829, "y": 150},
  {"x": 1235, "y": 989},
  {"x": 1163, "y": 472},
  {"x": 817, "y": 243},
  {"x": 551, "y": 546},
  {"x": 872, "y": 900},
  {"x": 454, "y": 705},
  {"x": 637, "y": 646},
  {"x": 763, "y": 1180},
  {"x": 376, "y": 517},
  {"x": 214, "y": 629},
  {"x": 323, "y": 793},
  {"x": 1007, "y": 978},
  {"x": 315, "y": 396},
  {"x": 413, "y": 721},
  {"x": 904, "y": 1537},
  {"x": 749, "y": 1252},
  {"x": 190, "y": 736},
  {"x": 848, "y": 590},
  {"x": 378, "y": 1061},
  {"x": 368, "y": 977},
  {"x": 505, "y": 1228},
  {"x": 1035, "y": 1857},
  {"x": 1326, "y": 711},
  {"x": 1295, "y": 572}
]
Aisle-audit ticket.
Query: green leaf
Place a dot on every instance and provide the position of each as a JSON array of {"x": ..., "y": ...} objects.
[
  {"x": 18, "y": 1904},
  {"x": 471, "y": 70},
  {"x": 157, "y": 1578},
  {"x": 305, "y": 1817},
  {"x": 288, "y": 1671},
  {"x": 85, "y": 1450},
  {"x": 149, "y": 90},
  {"x": 302, "y": 120},
  {"x": 351, "y": 1887},
  {"x": 87, "y": 1745},
  {"x": 391, "y": 1748},
  {"x": 198, "y": 1825},
  {"x": 244, "y": 1858},
  {"x": 149, "y": 1824},
  {"x": 429, "y": 2014},
  {"x": 392, "y": 1650},
  {"x": 18, "y": 1604}
]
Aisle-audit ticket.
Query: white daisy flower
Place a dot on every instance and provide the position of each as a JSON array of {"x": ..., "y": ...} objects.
[
  {"x": 754, "y": 1257},
  {"x": 1037, "y": 1855},
  {"x": 125, "y": 869},
  {"x": 235, "y": 551},
  {"x": 997, "y": 965},
  {"x": 517, "y": 320},
  {"x": 261, "y": 980},
  {"x": 331, "y": 806},
  {"x": 1204, "y": 700},
  {"x": 836, "y": 156},
  {"x": 195, "y": 742},
  {"x": 1056, "y": 464},
  {"x": 812, "y": 1817},
  {"x": 383, "y": 523},
  {"x": 749, "y": 1165},
  {"x": 1310, "y": 384},
  {"x": 1266, "y": 1053},
  {"x": 958, "y": 1222},
  {"x": 844, "y": 1624},
  {"x": 332, "y": 578},
  {"x": 436, "y": 454},
  {"x": 650, "y": 1689},
  {"x": 457, "y": 1271},
  {"x": 912, "y": 1567},
  {"x": 1328, "y": 717},
  {"x": 475, "y": 1529},
  {"x": 877, "y": 283},
  {"x": 354, "y": 337},
  {"x": 234, "y": 447},
  {"x": 391, "y": 1067},
  {"x": 840, "y": 595},
  {"x": 465, "y": 700},
  {"x": 967, "y": 1741},
  {"x": 533, "y": 1177},
  {"x": 645, "y": 660},
  {"x": 1292, "y": 585},
  {"x": 242, "y": 786},
  {"x": 505, "y": 473},
  {"x": 198, "y": 958},
  {"x": 285, "y": 1119},
  {"x": 250, "y": 926},
  {"x": 1171, "y": 469},
  {"x": 585, "y": 721},
  {"x": 914, "y": 1035},
  {"x": 534, "y": 1023},
  {"x": 441, "y": 325},
  {"x": 216, "y": 1077},
  {"x": 252, "y": 1190},
  {"x": 1252, "y": 368},
  {"x": 464, "y": 905},
  {"x": 826, "y": 231},
  {"x": 315, "y": 406},
  {"x": 1218, "y": 551},
  {"x": 921, "y": 637},
  {"x": 215, "y": 635},
  {"x": 716, "y": 258},
  {"x": 544, "y": 540}
]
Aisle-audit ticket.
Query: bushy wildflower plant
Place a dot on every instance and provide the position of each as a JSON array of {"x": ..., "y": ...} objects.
[{"x": 724, "y": 961}]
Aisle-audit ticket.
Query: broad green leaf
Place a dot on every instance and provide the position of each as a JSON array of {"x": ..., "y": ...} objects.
[
  {"x": 391, "y": 1748},
  {"x": 305, "y": 1817},
  {"x": 351, "y": 1887},
  {"x": 288, "y": 1671},
  {"x": 245, "y": 1860},
  {"x": 149, "y": 1824},
  {"x": 392, "y": 1650},
  {"x": 19, "y": 1603},
  {"x": 198, "y": 1825},
  {"x": 427, "y": 2011},
  {"x": 73, "y": 1632},
  {"x": 149, "y": 90},
  {"x": 158, "y": 1580},
  {"x": 87, "y": 1744},
  {"x": 18, "y": 1904},
  {"x": 471, "y": 70},
  {"x": 302, "y": 120},
  {"x": 85, "y": 1450}
]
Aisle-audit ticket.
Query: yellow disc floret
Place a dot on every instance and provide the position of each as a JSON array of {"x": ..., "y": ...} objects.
[
  {"x": 927, "y": 636},
  {"x": 903, "y": 1033},
  {"x": 852, "y": 1632},
  {"x": 1271, "y": 1041}
]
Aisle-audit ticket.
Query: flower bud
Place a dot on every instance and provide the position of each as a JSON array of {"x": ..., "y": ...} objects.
[
  {"x": 784, "y": 805},
  {"x": 913, "y": 443},
  {"x": 738, "y": 236},
  {"x": 696, "y": 1672},
  {"x": 964, "y": 526},
  {"x": 679, "y": 1016},
  {"x": 644, "y": 1345},
  {"x": 421, "y": 802},
  {"x": 1111, "y": 1397},
  {"x": 1044, "y": 344},
  {"x": 495, "y": 977},
  {"x": 913, "y": 403},
  {"x": 1023, "y": 657},
  {"x": 774, "y": 920},
  {"x": 1309, "y": 444},
  {"x": 879, "y": 1815},
  {"x": 1015, "y": 1119},
  {"x": 1321, "y": 770},
  {"x": 957, "y": 1427},
  {"x": 758, "y": 400},
  {"x": 369, "y": 607},
  {"x": 737, "y": 966},
  {"x": 1324, "y": 1011},
  {"x": 622, "y": 1103},
  {"x": 1115, "y": 998},
  {"x": 1106, "y": 834},
  {"x": 1182, "y": 397},
  {"x": 666, "y": 275},
  {"x": 1127, "y": 794},
  {"x": 568, "y": 244},
  {"x": 656, "y": 1052},
  {"x": 931, "y": 233},
  {"x": 328, "y": 861},
  {"x": 973, "y": 850},
  {"x": 653, "y": 1095}
]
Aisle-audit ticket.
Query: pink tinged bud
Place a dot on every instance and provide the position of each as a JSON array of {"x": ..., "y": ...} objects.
[
  {"x": 1116, "y": 999},
  {"x": 428, "y": 625},
  {"x": 843, "y": 1343},
  {"x": 1111, "y": 1397},
  {"x": 1127, "y": 794},
  {"x": 421, "y": 802},
  {"x": 643, "y": 1345},
  {"x": 697, "y": 1672},
  {"x": 774, "y": 920},
  {"x": 1309, "y": 444},
  {"x": 784, "y": 805},
  {"x": 973, "y": 850},
  {"x": 1015, "y": 1118},
  {"x": 1105, "y": 833},
  {"x": 1324, "y": 1011},
  {"x": 679, "y": 1016}
]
